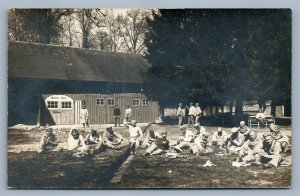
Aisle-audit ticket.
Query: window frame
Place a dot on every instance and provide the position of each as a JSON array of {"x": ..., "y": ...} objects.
[
  {"x": 139, "y": 102},
  {"x": 61, "y": 105},
  {"x": 146, "y": 101},
  {"x": 53, "y": 108},
  {"x": 114, "y": 102},
  {"x": 100, "y": 99}
]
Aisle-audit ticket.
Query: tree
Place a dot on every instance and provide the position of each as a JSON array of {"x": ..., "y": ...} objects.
[
  {"x": 216, "y": 56},
  {"x": 69, "y": 32},
  {"x": 134, "y": 27},
  {"x": 113, "y": 26},
  {"x": 36, "y": 25},
  {"x": 88, "y": 20}
]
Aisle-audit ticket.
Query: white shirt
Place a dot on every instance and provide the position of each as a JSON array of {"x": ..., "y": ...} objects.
[
  {"x": 198, "y": 110},
  {"x": 75, "y": 143},
  {"x": 135, "y": 132},
  {"x": 192, "y": 111},
  {"x": 128, "y": 112},
  {"x": 188, "y": 136},
  {"x": 93, "y": 139},
  {"x": 180, "y": 111},
  {"x": 217, "y": 138}
]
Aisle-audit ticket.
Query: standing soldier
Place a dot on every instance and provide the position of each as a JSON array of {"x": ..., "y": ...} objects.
[
  {"x": 127, "y": 114},
  {"x": 180, "y": 114},
  {"x": 198, "y": 113},
  {"x": 117, "y": 114},
  {"x": 135, "y": 134},
  {"x": 84, "y": 116},
  {"x": 192, "y": 114}
]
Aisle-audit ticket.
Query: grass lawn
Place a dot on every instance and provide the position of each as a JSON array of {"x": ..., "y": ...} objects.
[{"x": 60, "y": 170}]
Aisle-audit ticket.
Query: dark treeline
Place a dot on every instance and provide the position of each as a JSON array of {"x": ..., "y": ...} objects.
[{"x": 216, "y": 57}]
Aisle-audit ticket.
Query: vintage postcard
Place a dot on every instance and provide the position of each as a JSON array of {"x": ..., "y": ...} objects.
[{"x": 149, "y": 98}]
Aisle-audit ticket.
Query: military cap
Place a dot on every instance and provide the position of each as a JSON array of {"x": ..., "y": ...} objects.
[
  {"x": 182, "y": 128},
  {"x": 234, "y": 130}
]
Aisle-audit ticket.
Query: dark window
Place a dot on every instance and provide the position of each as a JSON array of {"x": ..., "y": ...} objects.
[
  {"x": 100, "y": 101},
  {"x": 145, "y": 102},
  {"x": 136, "y": 102},
  {"x": 111, "y": 101},
  {"x": 66, "y": 104},
  {"x": 52, "y": 104}
]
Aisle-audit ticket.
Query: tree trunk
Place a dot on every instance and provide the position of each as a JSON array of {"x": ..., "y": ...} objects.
[
  {"x": 287, "y": 109},
  {"x": 239, "y": 108}
]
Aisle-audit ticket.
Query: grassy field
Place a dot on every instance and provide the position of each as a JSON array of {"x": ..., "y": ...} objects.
[{"x": 28, "y": 169}]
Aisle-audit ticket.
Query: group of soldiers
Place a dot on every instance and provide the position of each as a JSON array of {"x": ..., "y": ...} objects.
[
  {"x": 190, "y": 113},
  {"x": 94, "y": 142},
  {"x": 242, "y": 142}
]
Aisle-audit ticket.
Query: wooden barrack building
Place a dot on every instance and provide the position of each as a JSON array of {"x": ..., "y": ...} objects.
[{"x": 48, "y": 84}]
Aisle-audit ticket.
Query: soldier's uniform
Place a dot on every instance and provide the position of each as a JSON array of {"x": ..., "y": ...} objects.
[
  {"x": 159, "y": 145},
  {"x": 250, "y": 150},
  {"x": 184, "y": 141},
  {"x": 271, "y": 153},
  {"x": 279, "y": 136},
  {"x": 201, "y": 144},
  {"x": 111, "y": 139},
  {"x": 150, "y": 138},
  {"x": 243, "y": 134}
]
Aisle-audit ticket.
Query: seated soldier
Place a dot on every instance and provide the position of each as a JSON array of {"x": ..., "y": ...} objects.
[
  {"x": 77, "y": 144},
  {"x": 150, "y": 138},
  {"x": 243, "y": 134},
  {"x": 270, "y": 156},
  {"x": 94, "y": 140},
  {"x": 159, "y": 145},
  {"x": 251, "y": 148},
  {"x": 219, "y": 141},
  {"x": 48, "y": 142},
  {"x": 199, "y": 130},
  {"x": 135, "y": 135},
  {"x": 201, "y": 145},
  {"x": 111, "y": 139},
  {"x": 185, "y": 140},
  {"x": 279, "y": 136},
  {"x": 232, "y": 140}
]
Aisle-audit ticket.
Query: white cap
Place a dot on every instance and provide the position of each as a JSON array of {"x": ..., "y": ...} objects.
[{"x": 234, "y": 130}]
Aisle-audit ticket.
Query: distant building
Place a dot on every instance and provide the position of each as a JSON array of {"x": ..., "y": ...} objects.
[{"x": 48, "y": 84}]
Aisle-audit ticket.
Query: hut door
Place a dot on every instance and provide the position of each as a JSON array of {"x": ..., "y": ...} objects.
[
  {"x": 61, "y": 109},
  {"x": 77, "y": 106}
]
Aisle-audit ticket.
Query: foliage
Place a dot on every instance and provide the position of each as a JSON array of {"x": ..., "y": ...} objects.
[
  {"x": 35, "y": 25},
  {"x": 216, "y": 56}
]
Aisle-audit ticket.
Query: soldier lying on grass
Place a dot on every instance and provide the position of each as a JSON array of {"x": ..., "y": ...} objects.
[{"x": 159, "y": 146}]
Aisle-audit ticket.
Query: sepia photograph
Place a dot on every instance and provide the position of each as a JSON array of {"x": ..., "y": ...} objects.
[{"x": 149, "y": 98}]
